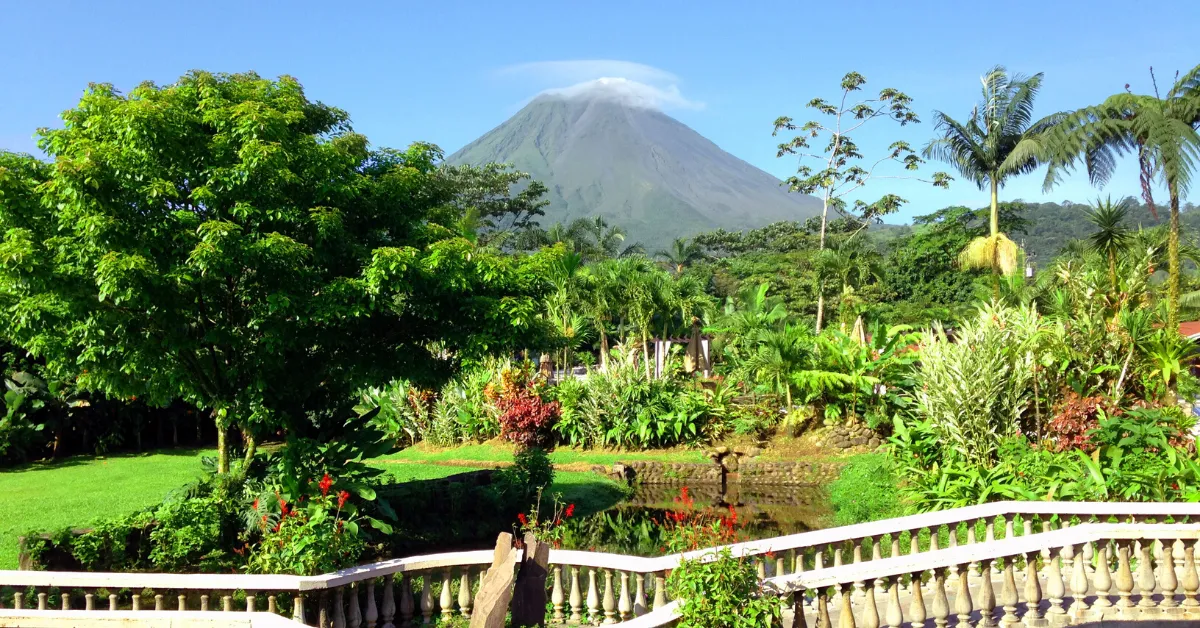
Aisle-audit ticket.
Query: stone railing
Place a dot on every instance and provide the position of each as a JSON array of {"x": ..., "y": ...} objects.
[{"x": 590, "y": 587}]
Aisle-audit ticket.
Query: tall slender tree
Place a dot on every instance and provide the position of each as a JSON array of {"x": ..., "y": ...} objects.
[
  {"x": 999, "y": 141},
  {"x": 1160, "y": 130},
  {"x": 1112, "y": 235},
  {"x": 841, "y": 167}
]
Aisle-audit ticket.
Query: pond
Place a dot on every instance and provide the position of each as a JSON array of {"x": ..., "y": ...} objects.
[{"x": 632, "y": 527}]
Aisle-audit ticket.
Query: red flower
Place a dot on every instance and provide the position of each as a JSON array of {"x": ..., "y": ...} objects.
[
  {"x": 342, "y": 497},
  {"x": 325, "y": 483},
  {"x": 522, "y": 519},
  {"x": 570, "y": 512},
  {"x": 256, "y": 503}
]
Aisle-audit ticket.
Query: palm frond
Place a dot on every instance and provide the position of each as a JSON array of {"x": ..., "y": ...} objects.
[{"x": 996, "y": 253}]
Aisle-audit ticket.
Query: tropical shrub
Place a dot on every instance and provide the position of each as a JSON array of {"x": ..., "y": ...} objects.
[
  {"x": 973, "y": 388},
  {"x": 1075, "y": 418},
  {"x": 316, "y": 535}
]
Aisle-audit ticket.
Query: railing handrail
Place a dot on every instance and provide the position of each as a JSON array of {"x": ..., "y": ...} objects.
[
  {"x": 598, "y": 560},
  {"x": 964, "y": 554}
]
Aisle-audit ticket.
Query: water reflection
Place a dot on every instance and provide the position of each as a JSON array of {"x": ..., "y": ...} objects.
[{"x": 632, "y": 526}]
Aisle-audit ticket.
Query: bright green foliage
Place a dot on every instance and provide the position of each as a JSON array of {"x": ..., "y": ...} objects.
[
  {"x": 1112, "y": 234},
  {"x": 865, "y": 490},
  {"x": 973, "y": 390},
  {"x": 721, "y": 590},
  {"x": 1161, "y": 131},
  {"x": 683, "y": 253},
  {"x": 225, "y": 241}
]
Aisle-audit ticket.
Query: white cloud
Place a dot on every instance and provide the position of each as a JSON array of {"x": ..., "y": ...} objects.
[{"x": 632, "y": 83}]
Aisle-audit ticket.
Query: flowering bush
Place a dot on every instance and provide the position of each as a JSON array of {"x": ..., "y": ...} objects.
[
  {"x": 548, "y": 530},
  {"x": 525, "y": 419},
  {"x": 718, "y": 589},
  {"x": 317, "y": 534}
]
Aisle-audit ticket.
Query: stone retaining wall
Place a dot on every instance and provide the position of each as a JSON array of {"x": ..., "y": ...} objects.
[
  {"x": 679, "y": 473},
  {"x": 850, "y": 435}
]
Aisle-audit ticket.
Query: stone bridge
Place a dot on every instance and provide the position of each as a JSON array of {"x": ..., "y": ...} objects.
[{"x": 1034, "y": 563}]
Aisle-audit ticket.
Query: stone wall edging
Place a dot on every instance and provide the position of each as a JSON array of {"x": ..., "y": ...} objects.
[{"x": 784, "y": 473}]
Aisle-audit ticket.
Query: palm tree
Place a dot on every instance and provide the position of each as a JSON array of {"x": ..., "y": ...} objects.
[
  {"x": 683, "y": 253},
  {"x": 1111, "y": 235},
  {"x": 1161, "y": 131},
  {"x": 1000, "y": 140}
]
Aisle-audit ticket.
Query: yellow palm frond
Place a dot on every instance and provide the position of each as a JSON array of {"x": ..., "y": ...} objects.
[{"x": 996, "y": 253}]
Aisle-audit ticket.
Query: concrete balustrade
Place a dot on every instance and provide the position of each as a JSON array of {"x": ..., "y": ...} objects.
[{"x": 862, "y": 570}]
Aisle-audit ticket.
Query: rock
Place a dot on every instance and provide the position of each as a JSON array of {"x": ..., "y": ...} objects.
[
  {"x": 859, "y": 440},
  {"x": 753, "y": 451},
  {"x": 730, "y": 463},
  {"x": 874, "y": 442},
  {"x": 722, "y": 450},
  {"x": 529, "y": 594},
  {"x": 491, "y": 603}
]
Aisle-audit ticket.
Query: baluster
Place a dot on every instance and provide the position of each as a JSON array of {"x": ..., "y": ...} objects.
[
  {"x": 870, "y": 613},
  {"x": 426, "y": 598},
  {"x": 182, "y": 602},
  {"x": 914, "y": 541},
  {"x": 354, "y": 607},
  {"x": 877, "y": 555},
  {"x": 339, "y": 608},
  {"x": 797, "y": 562},
  {"x": 835, "y": 550},
  {"x": 798, "y": 610},
  {"x": 1046, "y": 528},
  {"x": 251, "y": 601},
  {"x": 576, "y": 598},
  {"x": 1168, "y": 580},
  {"x": 556, "y": 595},
  {"x": 1079, "y": 587},
  {"x": 464, "y": 590},
  {"x": 624, "y": 604},
  {"x": 934, "y": 542},
  {"x": 846, "y": 618},
  {"x": 895, "y": 544},
  {"x": 818, "y": 558},
  {"x": 18, "y": 600},
  {"x": 42, "y": 601},
  {"x": 962, "y": 597},
  {"x": 989, "y": 530},
  {"x": 227, "y": 605},
  {"x": 660, "y": 590},
  {"x": 1102, "y": 580},
  {"x": 1009, "y": 531},
  {"x": 895, "y": 616},
  {"x": 760, "y": 566},
  {"x": 387, "y": 611},
  {"x": 987, "y": 594},
  {"x": 372, "y": 614},
  {"x": 1008, "y": 593},
  {"x": 941, "y": 607},
  {"x": 1088, "y": 554},
  {"x": 639, "y": 599},
  {"x": 1056, "y": 590},
  {"x": 113, "y": 603},
  {"x": 297, "y": 607},
  {"x": 89, "y": 601},
  {"x": 823, "y": 608},
  {"x": 323, "y": 619},
  {"x": 1191, "y": 580},
  {"x": 952, "y": 535},
  {"x": 446, "y": 599},
  {"x": 593, "y": 597},
  {"x": 916, "y": 606},
  {"x": 1033, "y": 590},
  {"x": 1026, "y": 525},
  {"x": 1124, "y": 579},
  {"x": 407, "y": 604},
  {"x": 66, "y": 601},
  {"x": 971, "y": 540},
  {"x": 204, "y": 603},
  {"x": 160, "y": 604},
  {"x": 272, "y": 604},
  {"x": 1145, "y": 576},
  {"x": 610, "y": 602},
  {"x": 780, "y": 565}
]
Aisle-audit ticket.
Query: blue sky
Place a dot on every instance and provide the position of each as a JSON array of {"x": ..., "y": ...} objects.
[{"x": 447, "y": 72}]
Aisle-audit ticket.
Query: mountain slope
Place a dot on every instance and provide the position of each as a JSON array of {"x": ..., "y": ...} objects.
[{"x": 601, "y": 155}]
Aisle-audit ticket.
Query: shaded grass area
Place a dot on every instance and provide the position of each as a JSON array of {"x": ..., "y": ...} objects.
[
  {"x": 494, "y": 452},
  {"x": 77, "y": 491}
]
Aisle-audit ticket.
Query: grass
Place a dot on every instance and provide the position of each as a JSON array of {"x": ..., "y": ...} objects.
[{"x": 76, "y": 491}]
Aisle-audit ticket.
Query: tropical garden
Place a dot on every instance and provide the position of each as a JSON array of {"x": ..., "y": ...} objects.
[{"x": 222, "y": 263}]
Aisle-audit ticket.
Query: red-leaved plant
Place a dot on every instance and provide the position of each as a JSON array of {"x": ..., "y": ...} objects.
[
  {"x": 525, "y": 419},
  {"x": 1075, "y": 417}
]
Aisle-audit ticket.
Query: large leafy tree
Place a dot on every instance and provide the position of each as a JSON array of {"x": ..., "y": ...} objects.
[
  {"x": 1161, "y": 130},
  {"x": 839, "y": 168},
  {"x": 227, "y": 241},
  {"x": 1000, "y": 140}
]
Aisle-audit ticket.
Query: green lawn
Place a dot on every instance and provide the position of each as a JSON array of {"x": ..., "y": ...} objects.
[
  {"x": 76, "y": 491},
  {"x": 493, "y": 452}
]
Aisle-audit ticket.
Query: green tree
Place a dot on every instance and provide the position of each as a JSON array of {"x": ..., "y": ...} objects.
[
  {"x": 1000, "y": 140},
  {"x": 683, "y": 253},
  {"x": 841, "y": 170},
  {"x": 226, "y": 241},
  {"x": 1160, "y": 130},
  {"x": 1111, "y": 236}
]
